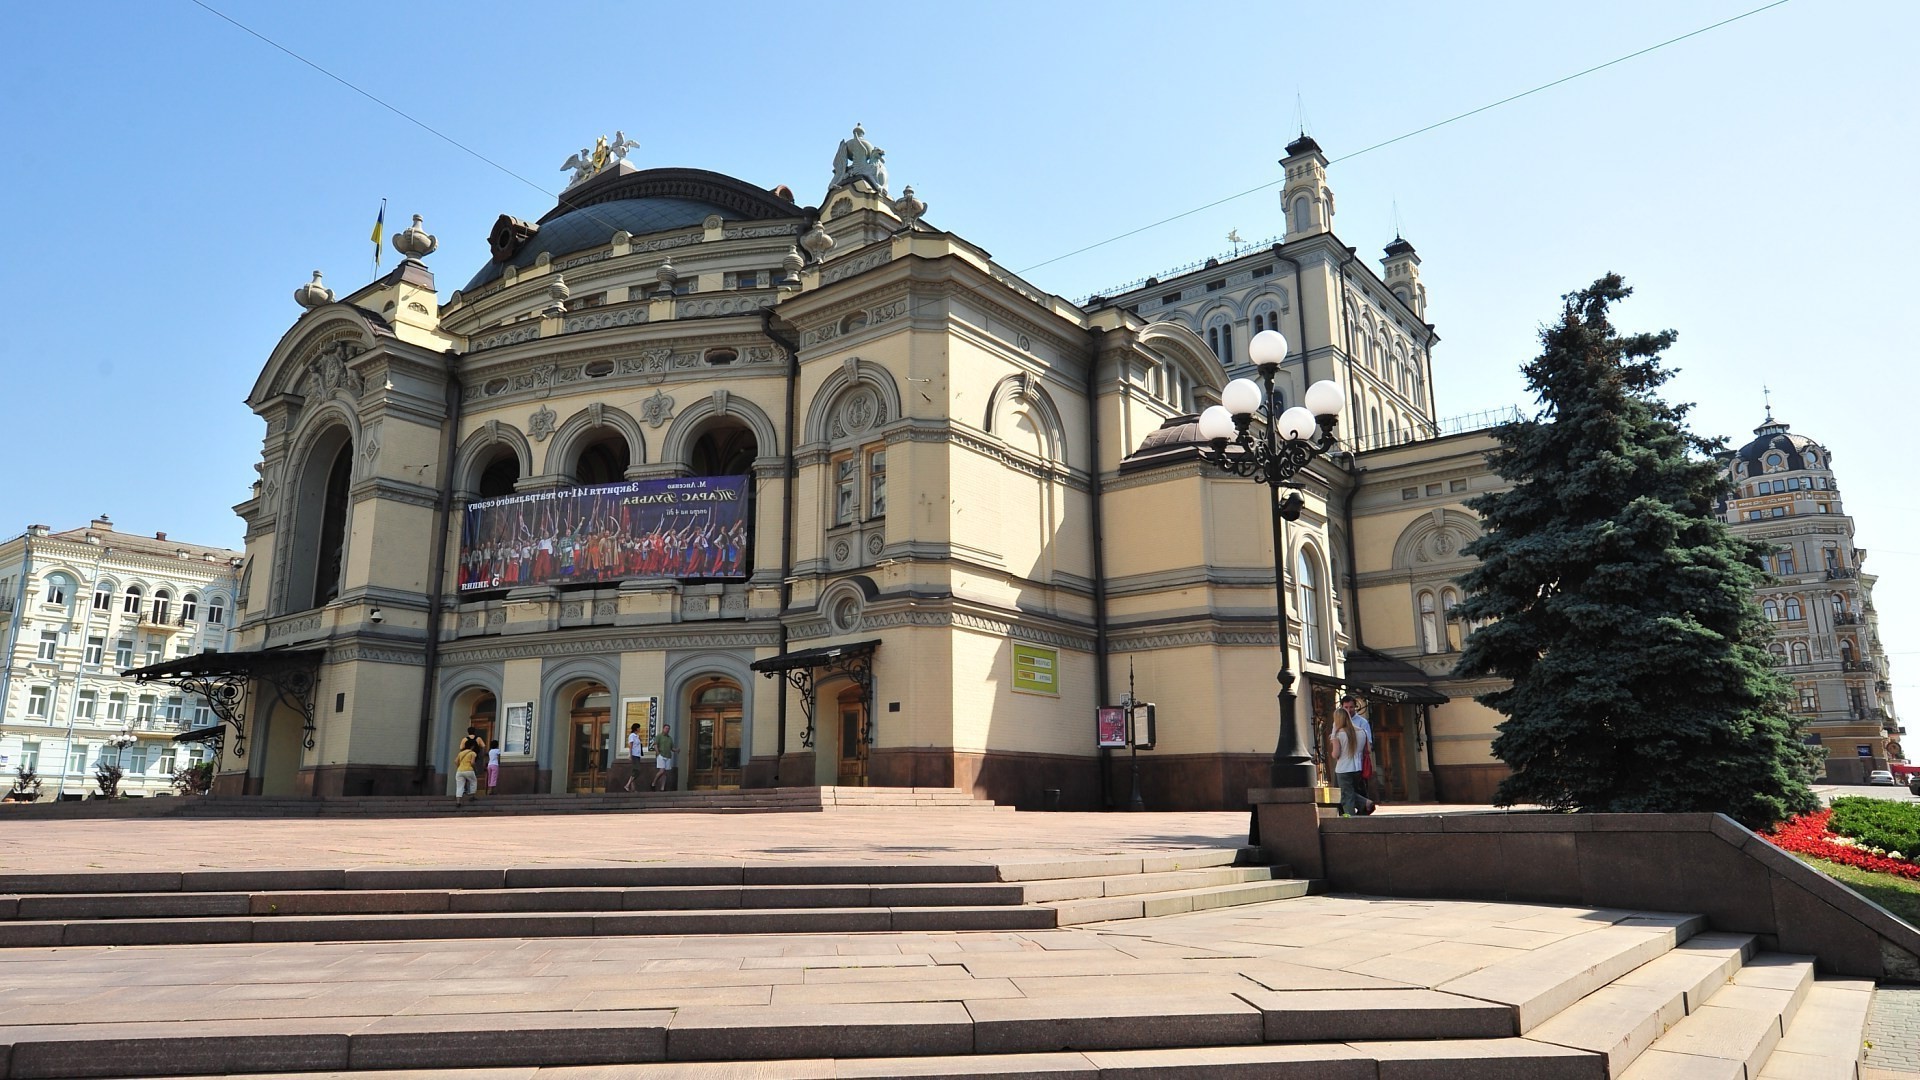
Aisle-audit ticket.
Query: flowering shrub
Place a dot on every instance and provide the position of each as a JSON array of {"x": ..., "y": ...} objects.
[
  {"x": 1808, "y": 834},
  {"x": 1878, "y": 823}
]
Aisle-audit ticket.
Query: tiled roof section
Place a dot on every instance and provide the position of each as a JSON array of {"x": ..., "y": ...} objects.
[{"x": 148, "y": 545}]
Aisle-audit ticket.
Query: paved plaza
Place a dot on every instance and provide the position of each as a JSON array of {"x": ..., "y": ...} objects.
[{"x": 1462, "y": 967}]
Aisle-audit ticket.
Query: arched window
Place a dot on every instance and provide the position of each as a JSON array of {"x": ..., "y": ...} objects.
[
  {"x": 1307, "y": 581},
  {"x": 1302, "y": 213},
  {"x": 216, "y": 610},
  {"x": 1839, "y": 603},
  {"x": 189, "y": 608},
  {"x": 1771, "y": 609},
  {"x": 103, "y": 596},
  {"x": 1220, "y": 340},
  {"x": 1448, "y": 598},
  {"x": 330, "y": 555},
  {"x": 1800, "y": 652},
  {"x": 1793, "y": 608},
  {"x": 1429, "y": 624},
  {"x": 162, "y": 606},
  {"x": 1775, "y": 461},
  {"x": 1832, "y": 554},
  {"x": 1785, "y": 561},
  {"x": 131, "y": 605},
  {"x": 500, "y": 475},
  {"x": 602, "y": 461},
  {"x": 58, "y": 590},
  {"x": 1846, "y": 651},
  {"x": 1778, "y": 652}
]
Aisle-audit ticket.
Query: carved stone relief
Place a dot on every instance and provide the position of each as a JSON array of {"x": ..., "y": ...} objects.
[{"x": 541, "y": 423}]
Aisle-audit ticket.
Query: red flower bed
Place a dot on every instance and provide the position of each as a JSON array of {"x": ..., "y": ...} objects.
[{"x": 1808, "y": 835}]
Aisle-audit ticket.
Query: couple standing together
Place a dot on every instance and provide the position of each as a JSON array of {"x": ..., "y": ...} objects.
[
  {"x": 662, "y": 755},
  {"x": 1351, "y": 746}
]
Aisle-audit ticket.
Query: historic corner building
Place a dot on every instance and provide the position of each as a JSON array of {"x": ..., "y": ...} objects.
[
  {"x": 1819, "y": 600},
  {"x": 77, "y": 608},
  {"x": 839, "y": 500}
]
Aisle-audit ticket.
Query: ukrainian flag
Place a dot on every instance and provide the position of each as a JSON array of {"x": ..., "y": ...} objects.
[{"x": 379, "y": 232}]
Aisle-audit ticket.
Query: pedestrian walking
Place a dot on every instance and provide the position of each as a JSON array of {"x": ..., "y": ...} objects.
[
  {"x": 493, "y": 766},
  {"x": 1357, "y": 712},
  {"x": 636, "y": 748},
  {"x": 463, "y": 778},
  {"x": 1346, "y": 745},
  {"x": 663, "y": 757}
]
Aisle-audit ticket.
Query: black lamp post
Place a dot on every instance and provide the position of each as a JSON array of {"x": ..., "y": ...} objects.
[{"x": 1290, "y": 441}]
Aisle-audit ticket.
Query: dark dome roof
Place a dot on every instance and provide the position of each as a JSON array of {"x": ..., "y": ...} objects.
[
  {"x": 1773, "y": 435},
  {"x": 1302, "y": 145},
  {"x": 638, "y": 201}
]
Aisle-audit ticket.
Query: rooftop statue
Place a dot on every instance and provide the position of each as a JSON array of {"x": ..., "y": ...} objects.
[
  {"x": 592, "y": 160},
  {"x": 858, "y": 159}
]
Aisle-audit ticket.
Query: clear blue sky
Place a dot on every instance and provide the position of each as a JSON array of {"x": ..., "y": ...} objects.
[{"x": 170, "y": 179}]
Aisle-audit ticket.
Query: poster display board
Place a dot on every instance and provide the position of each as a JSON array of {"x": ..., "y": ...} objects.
[
  {"x": 1036, "y": 670},
  {"x": 1110, "y": 727},
  {"x": 688, "y": 527},
  {"x": 519, "y": 724},
  {"x": 644, "y": 711}
]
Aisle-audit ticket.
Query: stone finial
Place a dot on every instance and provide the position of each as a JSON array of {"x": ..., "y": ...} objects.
[
  {"x": 557, "y": 291},
  {"x": 414, "y": 243},
  {"x": 817, "y": 242},
  {"x": 790, "y": 266},
  {"x": 313, "y": 293},
  {"x": 666, "y": 276},
  {"x": 910, "y": 209}
]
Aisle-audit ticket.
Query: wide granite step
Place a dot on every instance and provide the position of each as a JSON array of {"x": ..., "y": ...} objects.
[
  {"x": 1826, "y": 1036},
  {"x": 1624, "y": 1017},
  {"x": 1738, "y": 1027}
]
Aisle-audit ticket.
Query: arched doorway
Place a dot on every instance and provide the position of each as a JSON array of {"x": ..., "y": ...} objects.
[
  {"x": 850, "y": 713},
  {"x": 590, "y": 713},
  {"x": 714, "y": 726}
]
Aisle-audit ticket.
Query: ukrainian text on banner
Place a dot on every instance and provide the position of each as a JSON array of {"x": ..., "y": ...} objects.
[{"x": 693, "y": 527}]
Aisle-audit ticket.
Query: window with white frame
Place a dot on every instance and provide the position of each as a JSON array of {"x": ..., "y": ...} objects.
[
  {"x": 1771, "y": 609},
  {"x": 57, "y": 590},
  {"x": 49, "y": 645},
  {"x": 77, "y": 757},
  {"x": 1429, "y": 623},
  {"x": 167, "y": 761},
  {"x": 1448, "y": 599},
  {"x": 162, "y": 605},
  {"x": 103, "y": 596},
  {"x": 123, "y": 653},
  {"x": 1800, "y": 652},
  {"x": 173, "y": 707},
  {"x": 39, "y": 702},
  {"x": 143, "y": 709},
  {"x": 877, "y": 483},
  {"x": 131, "y": 603},
  {"x": 202, "y": 715},
  {"x": 189, "y": 608},
  {"x": 30, "y": 756},
  {"x": 96, "y": 651},
  {"x": 1307, "y": 583},
  {"x": 1809, "y": 699},
  {"x": 135, "y": 763},
  {"x": 846, "y": 489},
  {"x": 216, "y": 610},
  {"x": 116, "y": 707},
  {"x": 84, "y": 705},
  {"x": 1793, "y": 608}
]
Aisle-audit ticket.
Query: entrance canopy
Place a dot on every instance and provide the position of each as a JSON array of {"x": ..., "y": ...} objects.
[
  {"x": 1378, "y": 675},
  {"x": 805, "y": 669},
  {"x": 224, "y": 678}
]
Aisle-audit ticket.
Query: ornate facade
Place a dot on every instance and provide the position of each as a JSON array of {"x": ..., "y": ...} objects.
[
  {"x": 1820, "y": 600},
  {"x": 79, "y": 607}
]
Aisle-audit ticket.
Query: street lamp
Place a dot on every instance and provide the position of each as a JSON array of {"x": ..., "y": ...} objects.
[{"x": 1291, "y": 440}]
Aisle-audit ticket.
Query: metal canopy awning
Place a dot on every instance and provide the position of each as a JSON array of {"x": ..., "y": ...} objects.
[
  {"x": 806, "y": 669},
  {"x": 223, "y": 678},
  {"x": 1376, "y": 674},
  {"x": 823, "y": 656}
]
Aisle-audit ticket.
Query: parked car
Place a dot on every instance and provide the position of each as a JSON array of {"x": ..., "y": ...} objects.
[{"x": 1880, "y": 776}]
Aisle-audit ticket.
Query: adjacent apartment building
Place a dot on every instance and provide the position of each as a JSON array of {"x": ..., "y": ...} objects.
[{"x": 77, "y": 608}]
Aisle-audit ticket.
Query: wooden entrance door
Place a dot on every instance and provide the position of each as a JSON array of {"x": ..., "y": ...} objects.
[
  {"x": 587, "y": 756},
  {"x": 1390, "y": 758},
  {"x": 853, "y": 739},
  {"x": 716, "y": 735}
]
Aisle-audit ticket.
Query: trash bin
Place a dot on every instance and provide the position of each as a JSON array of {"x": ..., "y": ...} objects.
[{"x": 1050, "y": 798}]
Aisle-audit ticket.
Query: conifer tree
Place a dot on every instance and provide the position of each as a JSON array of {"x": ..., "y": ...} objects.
[{"x": 1618, "y": 607}]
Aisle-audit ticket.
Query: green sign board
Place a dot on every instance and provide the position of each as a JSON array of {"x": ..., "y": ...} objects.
[{"x": 1036, "y": 670}]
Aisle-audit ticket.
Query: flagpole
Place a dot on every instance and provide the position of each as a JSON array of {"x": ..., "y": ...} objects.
[{"x": 379, "y": 233}]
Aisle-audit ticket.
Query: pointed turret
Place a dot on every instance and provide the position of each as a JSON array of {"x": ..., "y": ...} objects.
[
  {"x": 1401, "y": 271},
  {"x": 1306, "y": 199}
]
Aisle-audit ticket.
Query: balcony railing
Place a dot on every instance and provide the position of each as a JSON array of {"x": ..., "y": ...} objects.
[
  {"x": 1838, "y": 573},
  {"x": 1848, "y": 618},
  {"x": 1856, "y": 665}
]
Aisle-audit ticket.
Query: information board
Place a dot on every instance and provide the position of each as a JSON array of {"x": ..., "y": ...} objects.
[{"x": 1036, "y": 670}]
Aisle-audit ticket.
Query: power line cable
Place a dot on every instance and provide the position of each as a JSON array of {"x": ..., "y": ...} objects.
[{"x": 1408, "y": 135}]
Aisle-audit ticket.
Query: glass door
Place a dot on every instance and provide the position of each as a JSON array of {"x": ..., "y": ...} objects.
[
  {"x": 716, "y": 726},
  {"x": 588, "y": 754},
  {"x": 853, "y": 740}
]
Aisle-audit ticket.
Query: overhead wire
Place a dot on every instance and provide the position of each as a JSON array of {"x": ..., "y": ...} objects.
[{"x": 424, "y": 126}]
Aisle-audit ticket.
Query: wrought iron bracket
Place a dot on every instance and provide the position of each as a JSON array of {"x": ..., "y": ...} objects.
[{"x": 293, "y": 679}]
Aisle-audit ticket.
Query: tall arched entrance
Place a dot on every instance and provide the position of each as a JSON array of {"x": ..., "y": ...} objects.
[
  {"x": 714, "y": 729},
  {"x": 589, "y": 737}
]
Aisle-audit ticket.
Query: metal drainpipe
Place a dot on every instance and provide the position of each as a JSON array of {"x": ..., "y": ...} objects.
[
  {"x": 1300, "y": 318},
  {"x": 786, "y": 529},
  {"x": 73, "y": 707},
  {"x": 436, "y": 603},
  {"x": 1099, "y": 559},
  {"x": 19, "y": 615}
]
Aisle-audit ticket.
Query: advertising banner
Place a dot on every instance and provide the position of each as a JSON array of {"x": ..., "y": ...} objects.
[
  {"x": 1036, "y": 670},
  {"x": 1110, "y": 727},
  {"x": 691, "y": 527}
]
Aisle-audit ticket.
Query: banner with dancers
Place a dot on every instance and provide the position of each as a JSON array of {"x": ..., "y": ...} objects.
[{"x": 693, "y": 527}]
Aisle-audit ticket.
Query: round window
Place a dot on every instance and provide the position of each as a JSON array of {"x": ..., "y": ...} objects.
[{"x": 846, "y": 613}]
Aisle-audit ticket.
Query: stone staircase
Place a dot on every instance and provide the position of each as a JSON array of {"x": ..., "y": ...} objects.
[
  {"x": 731, "y": 801},
  {"x": 387, "y": 904},
  {"x": 1155, "y": 967}
]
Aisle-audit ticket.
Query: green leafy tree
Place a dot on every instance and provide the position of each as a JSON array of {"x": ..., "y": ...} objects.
[{"x": 1618, "y": 607}]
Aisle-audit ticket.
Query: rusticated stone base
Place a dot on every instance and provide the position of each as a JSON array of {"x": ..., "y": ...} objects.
[
  {"x": 332, "y": 781},
  {"x": 1467, "y": 783}
]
